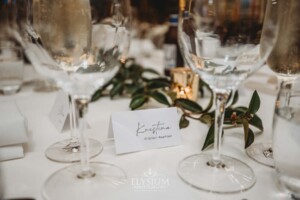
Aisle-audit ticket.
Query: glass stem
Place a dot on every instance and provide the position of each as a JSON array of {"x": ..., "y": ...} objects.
[
  {"x": 86, "y": 170},
  {"x": 73, "y": 123},
  {"x": 220, "y": 104},
  {"x": 284, "y": 84},
  {"x": 230, "y": 101}
]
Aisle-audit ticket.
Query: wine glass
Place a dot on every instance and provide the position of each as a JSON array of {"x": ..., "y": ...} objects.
[
  {"x": 12, "y": 30},
  {"x": 220, "y": 40},
  {"x": 284, "y": 60},
  {"x": 68, "y": 150},
  {"x": 286, "y": 141},
  {"x": 11, "y": 54},
  {"x": 79, "y": 46}
]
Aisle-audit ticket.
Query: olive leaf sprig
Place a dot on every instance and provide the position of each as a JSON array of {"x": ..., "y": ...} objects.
[{"x": 143, "y": 84}]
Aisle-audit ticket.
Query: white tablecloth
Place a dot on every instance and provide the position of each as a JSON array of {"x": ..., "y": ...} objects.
[{"x": 25, "y": 177}]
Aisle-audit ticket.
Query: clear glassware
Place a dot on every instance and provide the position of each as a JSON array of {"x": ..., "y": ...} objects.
[
  {"x": 11, "y": 53},
  {"x": 286, "y": 139},
  {"x": 79, "y": 45},
  {"x": 68, "y": 150},
  {"x": 220, "y": 40},
  {"x": 11, "y": 68},
  {"x": 284, "y": 60}
]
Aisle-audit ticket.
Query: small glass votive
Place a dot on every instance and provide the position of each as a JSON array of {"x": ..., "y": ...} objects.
[
  {"x": 185, "y": 83},
  {"x": 286, "y": 140},
  {"x": 11, "y": 69}
]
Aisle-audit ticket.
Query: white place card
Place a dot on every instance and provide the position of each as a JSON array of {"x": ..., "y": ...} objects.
[
  {"x": 145, "y": 129},
  {"x": 60, "y": 111}
]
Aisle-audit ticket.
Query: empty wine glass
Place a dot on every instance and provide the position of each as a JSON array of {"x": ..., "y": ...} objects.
[
  {"x": 11, "y": 53},
  {"x": 12, "y": 23},
  {"x": 284, "y": 60},
  {"x": 220, "y": 40},
  {"x": 66, "y": 150},
  {"x": 286, "y": 139},
  {"x": 79, "y": 46}
]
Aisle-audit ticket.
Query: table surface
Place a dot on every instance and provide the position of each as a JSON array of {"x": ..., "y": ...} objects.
[{"x": 25, "y": 177}]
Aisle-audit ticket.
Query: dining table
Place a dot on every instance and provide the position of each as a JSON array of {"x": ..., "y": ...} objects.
[{"x": 152, "y": 173}]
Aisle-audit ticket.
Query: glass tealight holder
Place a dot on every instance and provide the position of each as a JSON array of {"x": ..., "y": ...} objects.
[{"x": 185, "y": 83}]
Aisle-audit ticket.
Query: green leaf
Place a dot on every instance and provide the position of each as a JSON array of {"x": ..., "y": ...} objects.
[
  {"x": 160, "y": 97},
  {"x": 117, "y": 89},
  {"x": 138, "y": 91},
  {"x": 248, "y": 134},
  {"x": 209, "y": 137},
  {"x": 135, "y": 67},
  {"x": 254, "y": 103},
  {"x": 241, "y": 109},
  {"x": 188, "y": 105},
  {"x": 130, "y": 88},
  {"x": 250, "y": 139},
  {"x": 256, "y": 122},
  {"x": 235, "y": 98},
  {"x": 206, "y": 119},
  {"x": 184, "y": 122},
  {"x": 148, "y": 70},
  {"x": 97, "y": 95},
  {"x": 158, "y": 83},
  {"x": 137, "y": 101}
]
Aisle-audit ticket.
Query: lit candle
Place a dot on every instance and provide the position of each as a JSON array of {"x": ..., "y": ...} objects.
[{"x": 185, "y": 83}]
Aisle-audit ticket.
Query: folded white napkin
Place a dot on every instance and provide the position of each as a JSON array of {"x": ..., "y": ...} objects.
[
  {"x": 11, "y": 152},
  {"x": 12, "y": 124},
  {"x": 13, "y": 131}
]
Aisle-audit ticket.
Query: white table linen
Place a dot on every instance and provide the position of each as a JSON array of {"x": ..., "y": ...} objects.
[{"x": 25, "y": 177}]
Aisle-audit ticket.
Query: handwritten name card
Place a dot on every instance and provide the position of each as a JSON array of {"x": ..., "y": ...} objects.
[{"x": 145, "y": 129}]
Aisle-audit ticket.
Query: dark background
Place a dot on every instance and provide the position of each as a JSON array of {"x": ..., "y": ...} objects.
[{"x": 154, "y": 11}]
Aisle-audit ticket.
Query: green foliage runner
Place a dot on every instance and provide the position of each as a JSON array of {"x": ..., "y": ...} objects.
[{"x": 133, "y": 81}]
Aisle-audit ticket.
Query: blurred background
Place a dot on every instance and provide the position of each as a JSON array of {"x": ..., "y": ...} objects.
[
  {"x": 151, "y": 19},
  {"x": 154, "y": 11}
]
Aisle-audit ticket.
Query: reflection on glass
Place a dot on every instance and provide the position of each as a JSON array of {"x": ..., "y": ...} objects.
[
  {"x": 286, "y": 139},
  {"x": 78, "y": 44},
  {"x": 220, "y": 41},
  {"x": 284, "y": 60}
]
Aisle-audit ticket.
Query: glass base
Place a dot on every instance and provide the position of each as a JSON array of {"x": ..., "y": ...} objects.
[
  {"x": 65, "y": 151},
  {"x": 9, "y": 90},
  {"x": 230, "y": 176},
  {"x": 261, "y": 153},
  {"x": 64, "y": 184}
]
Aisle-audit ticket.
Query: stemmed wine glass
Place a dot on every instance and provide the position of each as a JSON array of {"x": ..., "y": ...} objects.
[
  {"x": 80, "y": 44},
  {"x": 284, "y": 60},
  {"x": 220, "y": 40},
  {"x": 67, "y": 150}
]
